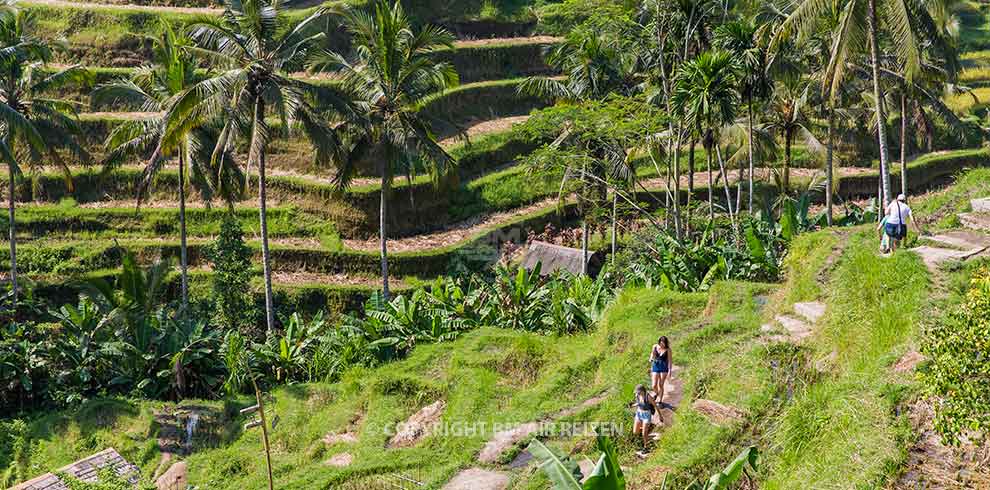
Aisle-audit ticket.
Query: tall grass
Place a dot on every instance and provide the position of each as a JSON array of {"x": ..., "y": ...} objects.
[{"x": 841, "y": 432}]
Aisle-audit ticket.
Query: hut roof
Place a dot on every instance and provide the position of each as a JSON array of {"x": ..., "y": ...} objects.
[
  {"x": 557, "y": 257},
  {"x": 86, "y": 470}
]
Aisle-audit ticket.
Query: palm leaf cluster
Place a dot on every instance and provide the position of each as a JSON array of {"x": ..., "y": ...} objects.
[{"x": 35, "y": 129}]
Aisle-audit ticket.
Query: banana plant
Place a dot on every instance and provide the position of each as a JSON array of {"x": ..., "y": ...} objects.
[
  {"x": 289, "y": 352},
  {"x": 564, "y": 474},
  {"x": 520, "y": 298},
  {"x": 730, "y": 474}
]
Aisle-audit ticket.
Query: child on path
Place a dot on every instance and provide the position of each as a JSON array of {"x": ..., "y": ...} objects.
[
  {"x": 884, "y": 237},
  {"x": 646, "y": 407}
]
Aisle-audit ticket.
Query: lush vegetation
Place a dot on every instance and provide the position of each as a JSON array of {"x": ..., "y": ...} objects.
[
  {"x": 687, "y": 135},
  {"x": 957, "y": 371}
]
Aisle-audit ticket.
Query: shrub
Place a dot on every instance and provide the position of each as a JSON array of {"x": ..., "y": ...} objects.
[
  {"x": 230, "y": 258},
  {"x": 959, "y": 374}
]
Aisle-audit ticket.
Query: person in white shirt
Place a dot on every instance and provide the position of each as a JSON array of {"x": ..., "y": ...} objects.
[{"x": 898, "y": 217}]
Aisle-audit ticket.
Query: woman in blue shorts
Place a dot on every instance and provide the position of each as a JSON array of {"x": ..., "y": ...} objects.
[
  {"x": 646, "y": 406},
  {"x": 660, "y": 365}
]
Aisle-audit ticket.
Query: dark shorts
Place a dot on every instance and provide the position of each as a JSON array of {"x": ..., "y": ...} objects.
[
  {"x": 659, "y": 367},
  {"x": 897, "y": 232}
]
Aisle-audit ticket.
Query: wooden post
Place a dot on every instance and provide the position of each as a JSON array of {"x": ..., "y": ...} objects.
[{"x": 264, "y": 433}]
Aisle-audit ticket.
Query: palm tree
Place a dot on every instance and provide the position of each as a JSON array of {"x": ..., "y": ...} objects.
[
  {"x": 150, "y": 89},
  {"x": 393, "y": 71},
  {"x": 681, "y": 29},
  {"x": 742, "y": 39},
  {"x": 787, "y": 116},
  {"x": 908, "y": 23},
  {"x": 594, "y": 65},
  {"x": 706, "y": 95},
  {"x": 255, "y": 47},
  {"x": 33, "y": 126}
]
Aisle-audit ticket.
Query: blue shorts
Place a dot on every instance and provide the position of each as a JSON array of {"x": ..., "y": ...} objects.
[
  {"x": 659, "y": 367},
  {"x": 896, "y": 231},
  {"x": 643, "y": 416}
]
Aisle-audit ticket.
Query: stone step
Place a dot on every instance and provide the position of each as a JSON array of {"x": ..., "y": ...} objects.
[
  {"x": 981, "y": 205},
  {"x": 963, "y": 239},
  {"x": 933, "y": 256},
  {"x": 478, "y": 479},
  {"x": 975, "y": 221},
  {"x": 812, "y": 311},
  {"x": 797, "y": 329}
]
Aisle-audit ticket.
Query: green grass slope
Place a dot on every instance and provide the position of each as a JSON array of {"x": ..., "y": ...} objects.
[{"x": 834, "y": 428}]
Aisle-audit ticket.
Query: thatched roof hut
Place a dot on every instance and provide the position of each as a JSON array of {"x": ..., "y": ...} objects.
[
  {"x": 87, "y": 470},
  {"x": 556, "y": 257}
]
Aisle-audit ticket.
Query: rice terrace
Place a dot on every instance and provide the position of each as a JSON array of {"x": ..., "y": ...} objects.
[{"x": 495, "y": 244}]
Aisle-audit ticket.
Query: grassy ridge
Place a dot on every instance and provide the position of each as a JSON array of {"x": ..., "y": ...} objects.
[{"x": 841, "y": 430}]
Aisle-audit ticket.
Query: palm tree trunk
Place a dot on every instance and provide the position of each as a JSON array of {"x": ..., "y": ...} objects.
[
  {"x": 258, "y": 147},
  {"x": 183, "y": 253},
  {"x": 904, "y": 143},
  {"x": 878, "y": 102},
  {"x": 787, "y": 161},
  {"x": 751, "y": 164},
  {"x": 828, "y": 166},
  {"x": 13, "y": 237},
  {"x": 584, "y": 247},
  {"x": 725, "y": 184},
  {"x": 711, "y": 185},
  {"x": 382, "y": 232},
  {"x": 615, "y": 218},
  {"x": 739, "y": 184},
  {"x": 690, "y": 195},
  {"x": 677, "y": 187}
]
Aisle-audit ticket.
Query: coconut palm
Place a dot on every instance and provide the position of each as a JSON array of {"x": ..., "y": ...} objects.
[
  {"x": 34, "y": 127},
  {"x": 787, "y": 115},
  {"x": 706, "y": 95},
  {"x": 742, "y": 39},
  {"x": 255, "y": 47},
  {"x": 909, "y": 25},
  {"x": 150, "y": 89},
  {"x": 392, "y": 72}
]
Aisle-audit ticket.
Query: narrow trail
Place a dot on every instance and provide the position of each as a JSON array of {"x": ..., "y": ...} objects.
[
  {"x": 510, "y": 41},
  {"x": 125, "y": 6},
  {"x": 456, "y": 233},
  {"x": 760, "y": 174},
  {"x": 483, "y": 128},
  {"x": 961, "y": 244},
  {"x": 122, "y": 115}
]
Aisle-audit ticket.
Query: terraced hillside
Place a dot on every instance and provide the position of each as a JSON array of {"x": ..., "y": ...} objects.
[
  {"x": 323, "y": 246},
  {"x": 807, "y": 369},
  {"x": 789, "y": 335}
]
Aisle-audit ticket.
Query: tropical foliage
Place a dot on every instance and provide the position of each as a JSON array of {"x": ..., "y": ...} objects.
[{"x": 958, "y": 371}]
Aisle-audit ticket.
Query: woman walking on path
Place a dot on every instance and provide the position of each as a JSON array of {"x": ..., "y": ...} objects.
[
  {"x": 898, "y": 216},
  {"x": 646, "y": 406},
  {"x": 660, "y": 365}
]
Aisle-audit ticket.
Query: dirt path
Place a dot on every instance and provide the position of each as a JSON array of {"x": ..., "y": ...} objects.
[
  {"x": 502, "y": 441},
  {"x": 760, "y": 174},
  {"x": 454, "y": 234},
  {"x": 485, "y": 127},
  {"x": 498, "y": 41},
  {"x": 129, "y": 116},
  {"x": 126, "y": 6},
  {"x": 673, "y": 394}
]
